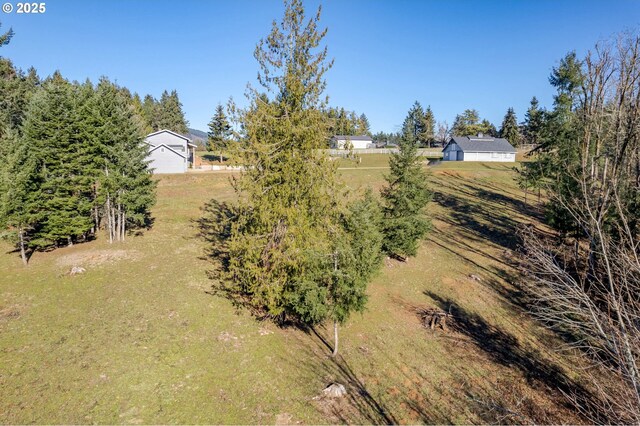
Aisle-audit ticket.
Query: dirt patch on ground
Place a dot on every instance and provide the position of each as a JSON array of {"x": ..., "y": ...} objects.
[
  {"x": 10, "y": 312},
  {"x": 96, "y": 257}
]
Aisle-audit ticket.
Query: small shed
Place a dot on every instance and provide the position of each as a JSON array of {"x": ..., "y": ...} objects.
[
  {"x": 478, "y": 148},
  {"x": 355, "y": 142},
  {"x": 169, "y": 152}
]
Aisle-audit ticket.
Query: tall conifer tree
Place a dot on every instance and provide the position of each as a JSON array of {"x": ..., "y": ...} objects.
[
  {"x": 52, "y": 130},
  {"x": 290, "y": 251},
  {"x": 509, "y": 129},
  {"x": 405, "y": 197},
  {"x": 169, "y": 114},
  {"x": 533, "y": 123},
  {"x": 20, "y": 196},
  {"x": 219, "y": 131},
  {"x": 429, "y": 125}
]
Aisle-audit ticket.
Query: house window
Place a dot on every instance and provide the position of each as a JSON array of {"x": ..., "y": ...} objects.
[
  {"x": 162, "y": 149},
  {"x": 494, "y": 155}
]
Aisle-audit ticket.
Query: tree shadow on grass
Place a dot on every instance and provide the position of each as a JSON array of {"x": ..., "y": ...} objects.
[
  {"x": 360, "y": 405},
  {"x": 504, "y": 349}
]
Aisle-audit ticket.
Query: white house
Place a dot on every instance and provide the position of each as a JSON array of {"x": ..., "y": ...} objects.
[
  {"x": 478, "y": 148},
  {"x": 169, "y": 152},
  {"x": 355, "y": 142}
]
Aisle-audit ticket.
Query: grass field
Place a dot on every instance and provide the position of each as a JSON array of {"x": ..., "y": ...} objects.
[{"x": 139, "y": 338}]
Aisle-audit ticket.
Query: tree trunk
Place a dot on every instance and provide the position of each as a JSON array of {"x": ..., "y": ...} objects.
[
  {"x": 23, "y": 252},
  {"x": 118, "y": 224},
  {"x": 109, "y": 220},
  {"x": 124, "y": 222},
  {"x": 335, "y": 339}
]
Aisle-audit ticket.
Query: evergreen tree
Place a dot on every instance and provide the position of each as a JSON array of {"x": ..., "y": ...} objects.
[
  {"x": 357, "y": 257},
  {"x": 405, "y": 197},
  {"x": 138, "y": 108},
  {"x": 509, "y": 129},
  {"x": 414, "y": 123},
  {"x": 169, "y": 115},
  {"x": 6, "y": 37},
  {"x": 428, "y": 135},
  {"x": 487, "y": 128},
  {"x": 16, "y": 89},
  {"x": 468, "y": 124},
  {"x": 288, "y": 183},
  {"x": 126, "y": 190},
  {"x": 51, "y": 130},
  {"x": 289, "y": 251},
  {"x": 149, "y": 115},
  {"x": 219, "y": 131},
  {"x": 533, "y": 123},
  {"x": 343, "y": 124},
  {"x": 20, "y": 195},
  {"x": 364, "y": 128}
]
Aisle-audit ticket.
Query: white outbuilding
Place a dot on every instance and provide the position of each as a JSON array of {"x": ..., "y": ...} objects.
[
  {"x": 478, "y": 148},
  {"x": 353, "y": 142},
  {"x": 169, "y": 152}
]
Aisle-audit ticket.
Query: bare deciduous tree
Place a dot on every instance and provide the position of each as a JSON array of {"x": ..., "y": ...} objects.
[{"x": 592, "y": 291}]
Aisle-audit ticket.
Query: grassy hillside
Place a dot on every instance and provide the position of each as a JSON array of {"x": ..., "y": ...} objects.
[{"x": 139, "y": 338}]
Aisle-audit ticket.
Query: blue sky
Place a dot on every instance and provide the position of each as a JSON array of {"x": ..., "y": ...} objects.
[{"x": 452, "y": 55}]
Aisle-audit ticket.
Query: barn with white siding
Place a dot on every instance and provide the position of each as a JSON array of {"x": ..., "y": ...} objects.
[
  {"x": 169, "y": 152},
  {"x": 478, "y": 148}
]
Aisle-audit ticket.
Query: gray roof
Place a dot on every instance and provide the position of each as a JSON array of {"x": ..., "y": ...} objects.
[
  {"x": 353, "y": 138},
  {"x": 481, "y": 144}
]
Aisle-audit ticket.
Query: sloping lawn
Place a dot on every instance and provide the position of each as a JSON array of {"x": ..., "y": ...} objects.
[{"x": 139, "y": 338}]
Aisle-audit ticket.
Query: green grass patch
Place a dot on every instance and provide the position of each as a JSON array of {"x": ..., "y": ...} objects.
[{"x": 139, "y": 338}]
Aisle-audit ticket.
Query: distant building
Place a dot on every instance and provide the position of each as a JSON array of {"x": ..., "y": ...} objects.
[
  {"x": 355, "y": 142},
  {"x": 478, "y": 148},
  {"x": 169, "y": 152}
]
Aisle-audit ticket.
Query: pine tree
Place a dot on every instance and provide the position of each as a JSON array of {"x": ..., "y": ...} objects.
[
  {"x": 51, "y": 129},
  {"x": 138, "y": 108},
  {"x": 16, "y": 89},
  {"x": 288, "y": 186},
  {"x": 20, "y": 196},
  {"x": 405, "y": 197},
  {"x": 533, "y": 123},
  {"x": 509, "y": 129},
  {"x": 6, "y": 37},
  {"x": 558, "y": 154},
  {"x": 414, "y": 124},
  {"x": 364, "y": 128},
  {"x": 290, "y": 249},
  {"x": 357, "y": 257},
  {"x": 126, "y": 189},
  {"x": 343, "y": 124},
  {"x": 428, "y": 135},
  {"x": 149, "y": 115},
  {"x": 169, "y": 114},
  {"x": 468, "y": 124},
  {"x": 219, "y": 131}
]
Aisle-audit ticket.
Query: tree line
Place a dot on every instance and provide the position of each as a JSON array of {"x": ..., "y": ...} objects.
[
  {"x": 427, "y": 131},
  {"x": 72, "y": 161},
  {"x": 298, "y": 246},
  {"x": 165, "y": 113},
  {"x": 340, "y": 122}
]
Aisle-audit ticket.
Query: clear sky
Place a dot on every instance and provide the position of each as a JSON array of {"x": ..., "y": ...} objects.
[{"x": 450, "y": 54}]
